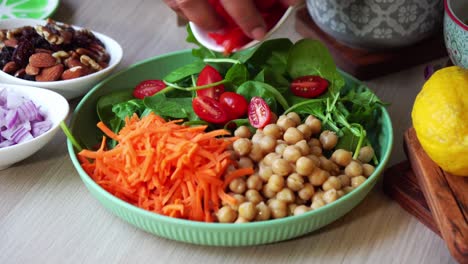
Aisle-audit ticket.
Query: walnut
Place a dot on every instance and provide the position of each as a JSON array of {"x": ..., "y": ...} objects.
[{"x": 49, "y": 35}]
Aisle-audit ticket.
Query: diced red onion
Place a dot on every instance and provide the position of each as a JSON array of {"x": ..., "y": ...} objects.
[{"x": 20, "y": 119}]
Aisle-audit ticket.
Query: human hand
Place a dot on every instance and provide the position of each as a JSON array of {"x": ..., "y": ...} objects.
[{"x": 243, "y": 12}]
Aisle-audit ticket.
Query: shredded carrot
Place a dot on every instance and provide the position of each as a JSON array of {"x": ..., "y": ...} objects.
[{"x": 166, "y": 167}]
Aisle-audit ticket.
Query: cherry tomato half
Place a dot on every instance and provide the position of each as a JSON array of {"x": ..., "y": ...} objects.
[
  {"x": 210, "y": 75},
  {"x": 234, "y": 103},
  {"x": 209, "y": 109},
  {"x": 309, "y": 86},
  {"x": 259, "y": 112},
  {"x": 148, "y": 88}
]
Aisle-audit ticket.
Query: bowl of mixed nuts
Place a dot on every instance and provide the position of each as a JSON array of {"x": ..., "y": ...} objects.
[{"x": 44, "y": 53}]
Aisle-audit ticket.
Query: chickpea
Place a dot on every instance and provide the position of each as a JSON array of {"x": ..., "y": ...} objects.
[
  {"x": 303, "y": 147},
  {"x": 256, "y": 153},
  {"x": 353, "y": 169},
  {"x": 257, "y": 136},
  {"x": 254, "y": 182},
  {"x": 226, "y": 214},
  {"x": 265, "y": 172},
  {"x": 253, "y": 196},
  {"x": 279, "y": 209},
  {"x": 241, "y": 220},
  {"x": 315, "y": 159},
  {"x": 281, "y": 167},
  {"x": 367, "y": 170},
  {"x": 314, "y": 142},
  {"x": 245, "y": 162},
  {"x": 305, "y": 166},
  {"x": 295, "y": 117},
  {"x": 314, "y": 124},
  {"x": 292, "y": 135},
  {"x": 307, "y": 192},
  {"x": 305, "y": 130},
  {"x": 366, "y": 154},
  {"x": 332, "y": 183},
  {"x": 268, "y": 192},
  {"x": 328, "y": 139},
  {"x": 317, "y": 151},
  {"x": 263, "y": 212},
  {"x": 345, "y": 180},
  {"x": 356, "y": 181},
  {"x": 348, "y": 189},
  {"x": 318, "y": 177},
  {"x": 286, "y": 195},
  {"x": 247, "y": 210},
  {"x": 317, "y": 204},
  {"x": 240, "y": 199},
  {"x": 242, "y": 146},
  {"x": 291, "y": 153},
  {"x": 342, "y": 157},
  {"x": 300, "y": 201},
  {"x": 243, "y": 132},
  {"x": 275, "y": 183},
  {"x": 280, "y": 147},
  {"x": 330, "y": 196},
  {"x": 285, "y": 122},
  {"x": 267, "y": 144},
  {"x": 329, "y": 165},
  {"x": 295, "y": 182},
  {"x": 273, "y": 130},
  {"x": 291, "y": 208},
  {"x": 318, "y": 195},
  {"x": 340, "y": 193},
  {"x": 238, "y": 186},
  {"x": 301, "y": 209}
]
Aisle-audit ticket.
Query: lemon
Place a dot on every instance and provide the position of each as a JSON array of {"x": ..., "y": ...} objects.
[{"x": 440, "y": 119}]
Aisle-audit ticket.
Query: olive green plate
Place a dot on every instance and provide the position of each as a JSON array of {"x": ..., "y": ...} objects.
[
  {"x": 38, "y": 9},
  {"x": 83, "y": 126}
]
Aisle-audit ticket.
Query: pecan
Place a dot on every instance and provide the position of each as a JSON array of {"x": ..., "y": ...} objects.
[
  {"x": 10, "y": 67},
  {"x": 50, "y": 74},
  {"x": 91, "y": 54},
  {"x": 72, "y": 62},
  {"x": 48, "y": 35},
  {"x": 60, "y": 55},
  {"x": 86, "y": 60}
]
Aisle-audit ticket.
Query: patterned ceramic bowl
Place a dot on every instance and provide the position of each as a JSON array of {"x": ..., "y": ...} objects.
[
  {"x": 377, "y": 24},
  {"x": 456, "y": 31}
]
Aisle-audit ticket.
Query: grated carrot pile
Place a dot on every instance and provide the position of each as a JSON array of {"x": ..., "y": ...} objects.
[{"x": 165, "y": 167}]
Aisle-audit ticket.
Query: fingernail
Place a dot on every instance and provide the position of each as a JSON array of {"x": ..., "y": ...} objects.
[{"x": 258, "y": 33}]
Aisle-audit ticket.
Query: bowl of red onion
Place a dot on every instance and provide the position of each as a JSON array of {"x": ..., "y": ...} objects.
[{"x": 29, "y": 119}]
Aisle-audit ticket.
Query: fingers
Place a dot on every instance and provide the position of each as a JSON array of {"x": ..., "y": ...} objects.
[
  {"x": 290, "y": 2},
  {"x": 199, "y": 12},
  {"x": 246, "y": 15}
]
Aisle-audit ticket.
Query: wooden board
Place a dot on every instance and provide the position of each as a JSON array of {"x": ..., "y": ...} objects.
[
  {"x": 365, "y": 64},
  {"x": 446, "y": 196},
  {"x": 401, "y": 185}
]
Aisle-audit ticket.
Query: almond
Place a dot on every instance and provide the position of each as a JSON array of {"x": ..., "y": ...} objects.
[
  {"x": 72, "y": 62},
  {"x": 10, "y": 67},
  {"x": 42, "y": 60},
  {"x": 50, "y": 74},
  {"x": 31, "y": 70},
  {"x": 75, "y": 72}
]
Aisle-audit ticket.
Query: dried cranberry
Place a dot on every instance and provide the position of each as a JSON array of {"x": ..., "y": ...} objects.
[
  {"x": 83, "y": 38},
  {"x": 29, "y": 77},
  {"x": 22, "y": 53}
]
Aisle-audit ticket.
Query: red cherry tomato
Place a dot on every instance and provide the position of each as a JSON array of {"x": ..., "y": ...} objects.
[
  {"x": 148, "y": 88},
  {"x": 210, "y": 75},
  {"x": 259, "y": 112},
  {"x": 209, "y": 109},
  {"x": 234, "y": 103},
  {"x": 309, "y": 86}
]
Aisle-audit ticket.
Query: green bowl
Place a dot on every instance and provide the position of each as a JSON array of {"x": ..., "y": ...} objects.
[{"x": 83, "y": 126}]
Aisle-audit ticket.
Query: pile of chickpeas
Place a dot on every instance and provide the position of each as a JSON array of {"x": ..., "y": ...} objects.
[{"x": 292, "y": 173}]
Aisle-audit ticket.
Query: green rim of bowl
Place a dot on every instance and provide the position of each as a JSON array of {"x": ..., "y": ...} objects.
[
  {"x": 219, "y": 234},
  {"x": 38, "y": 9}
]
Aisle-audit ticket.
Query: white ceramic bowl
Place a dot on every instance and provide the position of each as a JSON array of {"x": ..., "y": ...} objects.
[
  {"x": 68, "y": 88},
  {"x": 53, "y": 105}
]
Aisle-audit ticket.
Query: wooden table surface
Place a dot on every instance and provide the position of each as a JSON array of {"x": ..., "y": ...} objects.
[{"x": 48, "y": 216}]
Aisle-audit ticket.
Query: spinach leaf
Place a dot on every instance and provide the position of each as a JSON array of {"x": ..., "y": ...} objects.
[
  {"x": 128, "y": 108},
  {"x": 174, "y": 108},
  {"x": 271, "y": 95},
  {"x": 237, "y": 74},
  {"x": 106, "y": 102},
  {"x": 184, "y": 72},
  {"x": 259, "y": 55},
  {"x": 311, "y": 57}
]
